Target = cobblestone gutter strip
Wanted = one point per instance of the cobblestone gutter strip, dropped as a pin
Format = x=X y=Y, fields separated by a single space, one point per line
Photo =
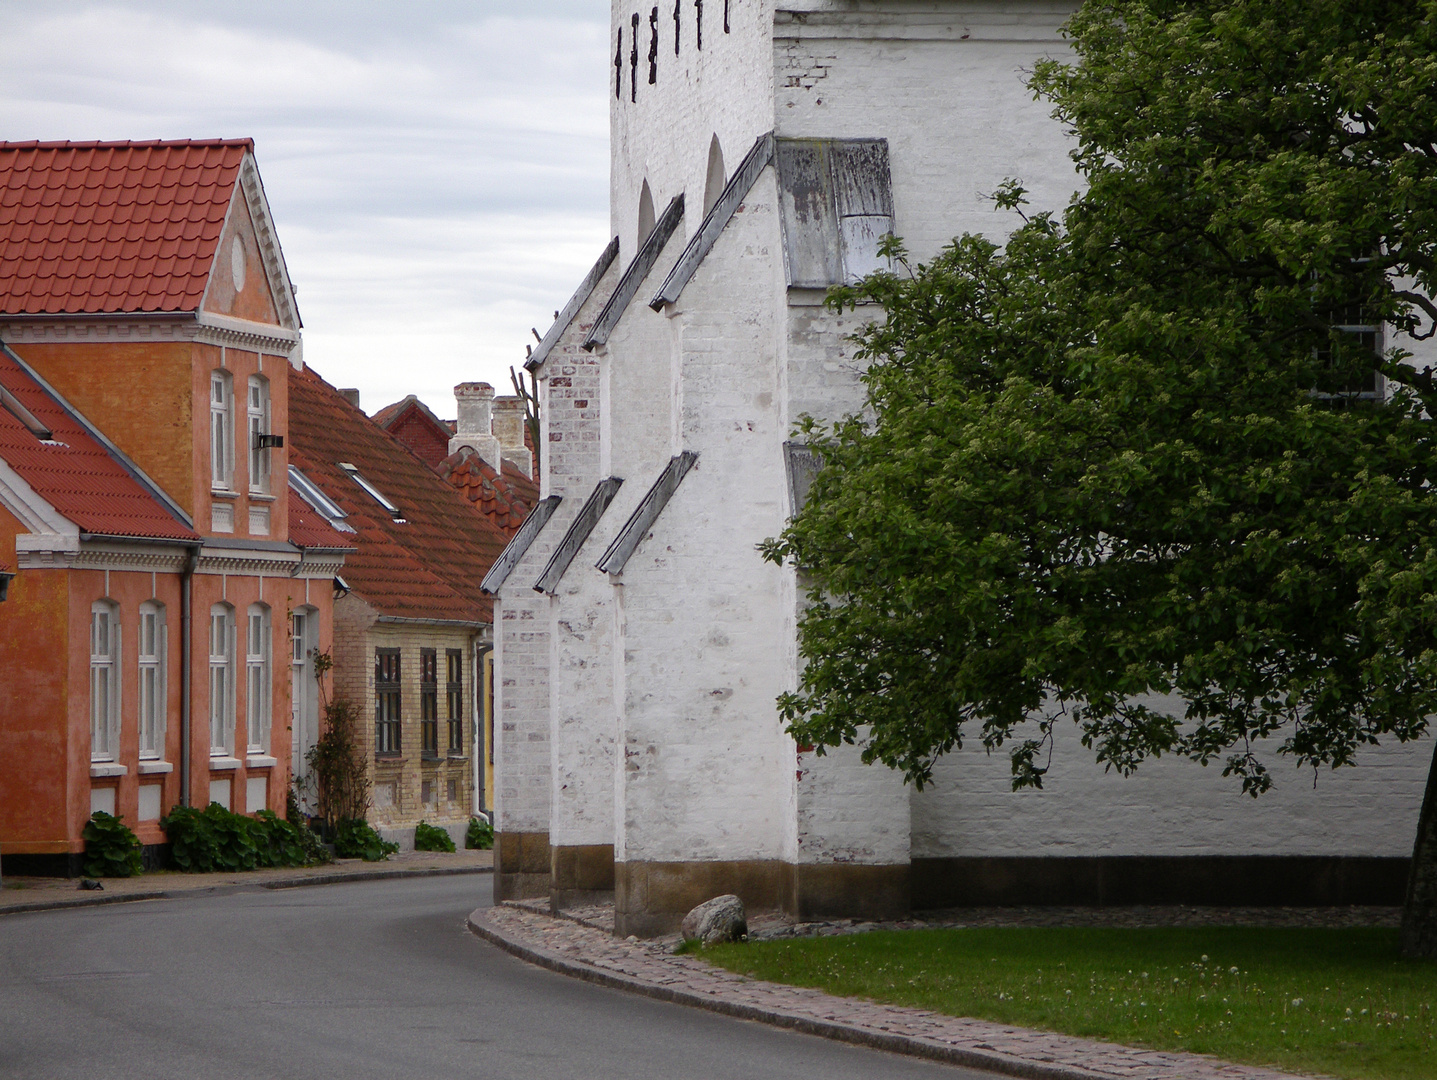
x=230 y=886
x=586 y=953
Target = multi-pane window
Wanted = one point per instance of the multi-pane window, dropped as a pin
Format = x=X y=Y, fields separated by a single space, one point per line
x=222 y=440
x=454 y=698
x=104 y=681
x=222 y=686
x=429 y=702
x=257 y=415
x=257 y=678
x=152 y=680
x=387 y=725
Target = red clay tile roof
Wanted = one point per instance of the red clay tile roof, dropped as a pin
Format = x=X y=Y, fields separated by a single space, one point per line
x=412 y=423
x=308 y=528
x=428 y=567
x=73 y=472
x=505 y=499
x=111 y=227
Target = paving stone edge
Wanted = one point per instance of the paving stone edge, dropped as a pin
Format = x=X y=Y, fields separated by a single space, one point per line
x=480 y=925
x=229 y=887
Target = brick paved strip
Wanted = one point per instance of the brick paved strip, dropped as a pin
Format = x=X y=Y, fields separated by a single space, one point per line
x=231 y=886
x=647 y=968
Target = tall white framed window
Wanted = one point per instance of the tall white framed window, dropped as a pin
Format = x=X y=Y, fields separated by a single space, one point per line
x=222 y=441
x=304 y=691
x=222 y=684
x=153 y=652
x=257 y=424
x=258 y=680
x=104 y=680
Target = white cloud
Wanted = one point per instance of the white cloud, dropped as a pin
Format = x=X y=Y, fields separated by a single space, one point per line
x=437 y=171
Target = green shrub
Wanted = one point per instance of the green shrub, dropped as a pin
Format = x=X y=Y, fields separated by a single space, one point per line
x=217 y=839
x=429 y=838
x=480 y=834
x=111 y=849
x=355 y=839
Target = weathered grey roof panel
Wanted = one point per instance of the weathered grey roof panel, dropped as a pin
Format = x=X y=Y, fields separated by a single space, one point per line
x=714 y=223
x=637 y=271
x=836 y=206
x=646 y=513
x=588 y=516
x=802 y=463
x=566 y=316
x=514 y=550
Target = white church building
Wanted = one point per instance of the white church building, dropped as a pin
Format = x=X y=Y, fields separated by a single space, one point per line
x=760 y=149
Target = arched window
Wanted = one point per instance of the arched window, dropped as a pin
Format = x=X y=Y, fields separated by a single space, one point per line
x=257 y=415
x=713 y=185
x=222 y=680
x=104 y=680
x=153 y=653
x=646 y=214
x=222 y=440
x=258 y=681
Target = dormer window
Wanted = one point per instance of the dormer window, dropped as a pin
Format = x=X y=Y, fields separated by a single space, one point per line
x=373 y=492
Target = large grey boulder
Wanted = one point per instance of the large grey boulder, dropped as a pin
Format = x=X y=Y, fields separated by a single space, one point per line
x=714 y=921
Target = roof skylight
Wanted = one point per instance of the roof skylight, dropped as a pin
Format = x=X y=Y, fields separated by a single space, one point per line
x=373 y=491
x=311 y=493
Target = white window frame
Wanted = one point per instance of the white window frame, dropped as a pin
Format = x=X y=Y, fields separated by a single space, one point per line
x=222 y=680
x=304 y=697
x=104 y=680
x=153 y=671
x=257 y=424
x=222 y=439
x=259 y=681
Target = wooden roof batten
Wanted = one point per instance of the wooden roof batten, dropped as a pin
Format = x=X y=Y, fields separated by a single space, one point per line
x=571 y=309
x=635 y=274
x=646 y=513
x=519 y=545
x=583 y=524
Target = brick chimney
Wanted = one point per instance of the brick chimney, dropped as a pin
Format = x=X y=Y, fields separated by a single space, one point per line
x=509 y=430
x=475 y=427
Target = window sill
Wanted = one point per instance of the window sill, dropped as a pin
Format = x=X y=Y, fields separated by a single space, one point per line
x=223 y=764
x=148 y=767
x=260 y=761
x=107 y=768
x=223 y=493
x=262 y=496
x=457 y=757
x=390 y=759
x=430 y=758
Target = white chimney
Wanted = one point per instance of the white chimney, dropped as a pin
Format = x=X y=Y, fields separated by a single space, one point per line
x=475 y=427
x=509 y=430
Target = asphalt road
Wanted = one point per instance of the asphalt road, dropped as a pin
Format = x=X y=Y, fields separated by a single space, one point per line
x=374 y=979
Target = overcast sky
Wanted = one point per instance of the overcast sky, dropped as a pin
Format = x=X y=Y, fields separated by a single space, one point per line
x=437 y=170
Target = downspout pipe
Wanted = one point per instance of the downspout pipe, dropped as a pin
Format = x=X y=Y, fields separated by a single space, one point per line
x=192 y=561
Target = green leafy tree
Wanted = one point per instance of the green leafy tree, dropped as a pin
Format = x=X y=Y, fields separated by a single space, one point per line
x=1135 y=451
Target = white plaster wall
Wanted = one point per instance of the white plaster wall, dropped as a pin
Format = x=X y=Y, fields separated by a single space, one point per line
x=725 y=90
x=1171 y=806
x=581 y=727
x=707 y=771
x=521 y=702
x=944 y=84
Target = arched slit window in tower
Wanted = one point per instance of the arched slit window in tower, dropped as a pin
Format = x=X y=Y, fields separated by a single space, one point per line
x=646 y=214
x=713 y=185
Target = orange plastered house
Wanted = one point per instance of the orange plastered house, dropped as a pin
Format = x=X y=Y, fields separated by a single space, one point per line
x=167 y=602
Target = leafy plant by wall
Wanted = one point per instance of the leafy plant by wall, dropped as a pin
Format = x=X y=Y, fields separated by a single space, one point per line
x=111 y=849
x=429 y=838
x=337 y=762
x=480 y=834
x=215 y=839
x=354 y=839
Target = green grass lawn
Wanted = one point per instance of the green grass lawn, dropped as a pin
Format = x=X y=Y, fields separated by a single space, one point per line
x=1338 y=1002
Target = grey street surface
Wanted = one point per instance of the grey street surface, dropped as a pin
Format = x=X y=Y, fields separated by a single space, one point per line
x=375 y=979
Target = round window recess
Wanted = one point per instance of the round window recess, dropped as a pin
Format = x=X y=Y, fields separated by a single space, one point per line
x=237 y=263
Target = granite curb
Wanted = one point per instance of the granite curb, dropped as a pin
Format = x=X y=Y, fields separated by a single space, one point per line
x=482 y=924
x=233 y=887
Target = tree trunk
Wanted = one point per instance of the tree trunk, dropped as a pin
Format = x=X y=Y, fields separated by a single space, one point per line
x=1419 y=915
